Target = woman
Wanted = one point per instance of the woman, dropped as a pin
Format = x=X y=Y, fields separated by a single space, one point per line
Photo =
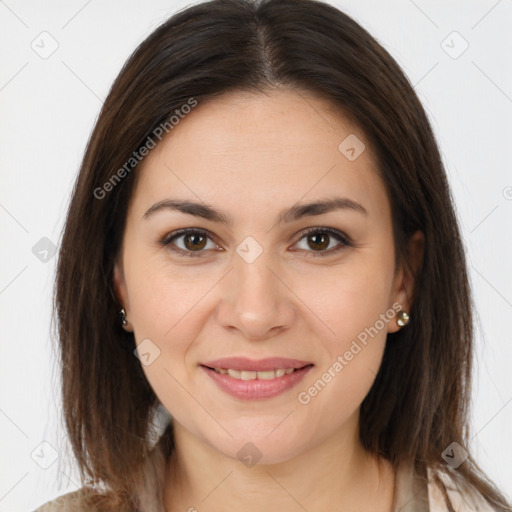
x=262 y=244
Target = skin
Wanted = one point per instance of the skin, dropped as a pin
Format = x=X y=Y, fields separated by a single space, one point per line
x=251 y=156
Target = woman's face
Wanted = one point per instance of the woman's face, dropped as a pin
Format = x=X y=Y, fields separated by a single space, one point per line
x=258 y=286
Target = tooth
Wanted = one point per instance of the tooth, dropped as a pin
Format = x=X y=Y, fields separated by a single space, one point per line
x=267 y=375
x=252 y=375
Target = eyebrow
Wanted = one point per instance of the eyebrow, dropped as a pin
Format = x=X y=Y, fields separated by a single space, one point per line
x=289 y=215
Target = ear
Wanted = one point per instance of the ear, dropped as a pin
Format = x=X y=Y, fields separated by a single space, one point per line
x=119 y=284
x=405 y=277
x=121 y=292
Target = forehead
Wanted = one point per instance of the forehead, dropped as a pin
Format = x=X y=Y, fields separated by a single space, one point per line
x=252 y=150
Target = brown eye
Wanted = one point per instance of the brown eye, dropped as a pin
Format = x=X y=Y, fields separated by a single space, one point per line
x=189 y=242
x=320 y=241
x=194 y=241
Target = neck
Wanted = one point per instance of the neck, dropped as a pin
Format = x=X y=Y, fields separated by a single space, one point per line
x=336 y=474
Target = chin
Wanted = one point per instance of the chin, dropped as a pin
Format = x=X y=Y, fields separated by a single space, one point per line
x=251 y=447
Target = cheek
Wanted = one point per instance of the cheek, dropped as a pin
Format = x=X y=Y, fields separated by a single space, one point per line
x=162 y=295
x=353 y=299
x=355 y=306
x=167 y=310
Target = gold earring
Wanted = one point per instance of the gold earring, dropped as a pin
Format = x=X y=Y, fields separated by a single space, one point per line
x=402 y=318
x=122 y=316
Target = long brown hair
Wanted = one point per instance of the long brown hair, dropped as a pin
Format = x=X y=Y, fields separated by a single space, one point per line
x=418 y=404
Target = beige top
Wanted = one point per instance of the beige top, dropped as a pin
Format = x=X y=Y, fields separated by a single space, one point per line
x=412 y=494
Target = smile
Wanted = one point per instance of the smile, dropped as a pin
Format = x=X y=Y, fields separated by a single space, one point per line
x=251 y=375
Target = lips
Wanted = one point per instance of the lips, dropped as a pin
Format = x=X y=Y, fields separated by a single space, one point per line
x=251 y=379
x=256 y=388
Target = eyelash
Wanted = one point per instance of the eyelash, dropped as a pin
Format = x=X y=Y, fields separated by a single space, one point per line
x=344 y=240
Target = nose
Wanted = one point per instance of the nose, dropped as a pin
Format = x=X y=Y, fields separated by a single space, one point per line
x=256 y=302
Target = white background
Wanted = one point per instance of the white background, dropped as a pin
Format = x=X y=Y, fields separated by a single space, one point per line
x=48 y=108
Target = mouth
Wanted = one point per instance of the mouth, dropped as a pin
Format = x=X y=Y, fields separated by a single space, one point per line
x=249 y=384
x=256 y=375
x=255 y=365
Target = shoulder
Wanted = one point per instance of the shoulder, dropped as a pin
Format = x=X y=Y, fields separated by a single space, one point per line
x=447 y=484
x=67 y=502
x=439 y=489
x=85 y=499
